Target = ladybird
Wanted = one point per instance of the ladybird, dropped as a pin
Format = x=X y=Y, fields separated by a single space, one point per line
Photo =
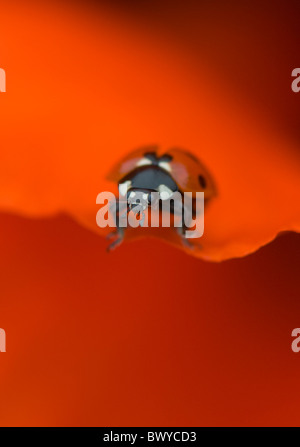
x=147 y=171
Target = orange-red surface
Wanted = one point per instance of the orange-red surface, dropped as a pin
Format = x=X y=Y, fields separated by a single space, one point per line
x=148 y=335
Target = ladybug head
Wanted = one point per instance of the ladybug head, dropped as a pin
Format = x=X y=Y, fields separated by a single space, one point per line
x=140 y=199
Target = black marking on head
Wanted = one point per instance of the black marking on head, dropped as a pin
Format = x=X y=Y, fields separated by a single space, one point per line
x=166 y=158
x=155 y=160
x=152 y=157
x=202 y=181
x=150 y=177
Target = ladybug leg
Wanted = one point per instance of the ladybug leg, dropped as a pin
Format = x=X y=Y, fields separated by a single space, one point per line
x=187 y=216
x=118 y=236
x=178 y=209
x=185 y=242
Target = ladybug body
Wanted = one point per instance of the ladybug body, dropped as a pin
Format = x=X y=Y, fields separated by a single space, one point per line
x=145 y=172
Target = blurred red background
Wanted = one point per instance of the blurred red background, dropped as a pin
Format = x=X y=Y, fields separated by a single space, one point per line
x=146 y=335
